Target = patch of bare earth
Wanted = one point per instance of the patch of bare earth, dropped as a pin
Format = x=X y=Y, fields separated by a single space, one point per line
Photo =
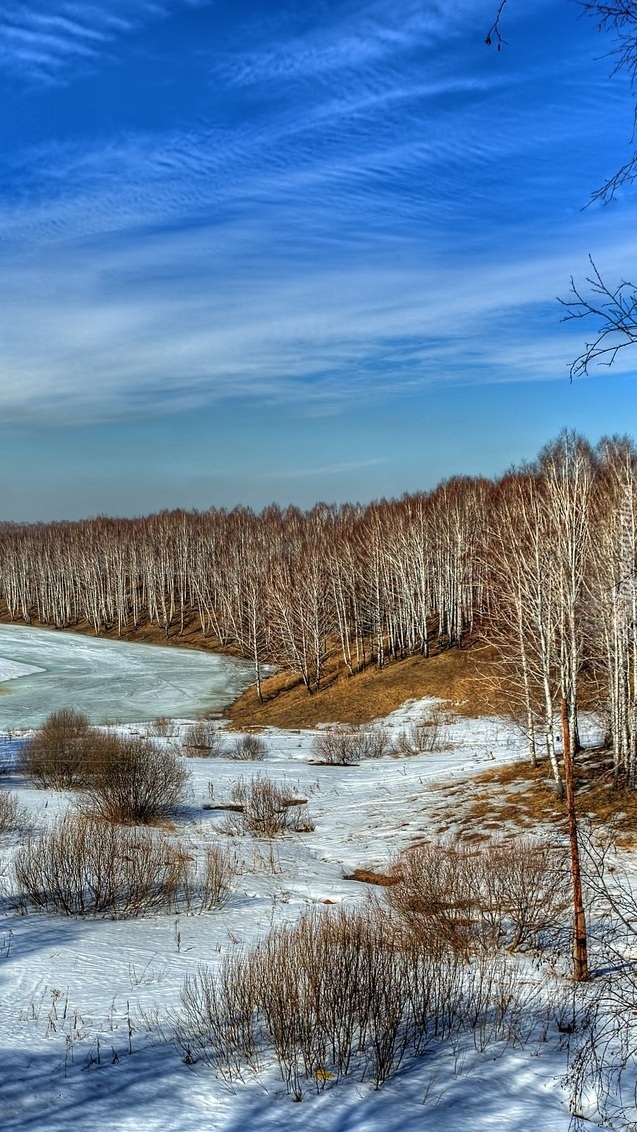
x=370 y=876
x=522 y=797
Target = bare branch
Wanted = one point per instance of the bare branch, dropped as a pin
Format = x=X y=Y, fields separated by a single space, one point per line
x=494 y=34
x=619 y=19
x=624 y=176
x=616 y=312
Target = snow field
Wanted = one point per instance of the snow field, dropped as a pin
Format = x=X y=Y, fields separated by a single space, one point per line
x=88 y=1006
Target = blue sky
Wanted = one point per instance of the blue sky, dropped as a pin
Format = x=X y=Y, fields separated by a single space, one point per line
x=285 y=251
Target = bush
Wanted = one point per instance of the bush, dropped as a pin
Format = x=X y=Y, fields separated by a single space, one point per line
x=267 y=810
x=326 y=993
x=57 y=755
x=343 y=991
x=214 y=880
x=87 y=867
x=12 y=815
x=423 y=736
x=344 y=744
x=248 y=748
x=161 y=728
x=503 y=893
x=134 y=780
x=203 y=739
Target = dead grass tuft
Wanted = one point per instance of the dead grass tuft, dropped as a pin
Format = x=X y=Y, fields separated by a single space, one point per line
x=370 y=876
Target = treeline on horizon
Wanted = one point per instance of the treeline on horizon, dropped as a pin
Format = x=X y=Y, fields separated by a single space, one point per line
x=540 y=562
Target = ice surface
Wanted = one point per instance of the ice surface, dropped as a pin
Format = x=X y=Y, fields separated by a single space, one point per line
x=42 y=670
x=11 y=670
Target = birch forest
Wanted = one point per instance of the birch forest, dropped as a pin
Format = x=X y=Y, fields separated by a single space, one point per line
x=540 y=564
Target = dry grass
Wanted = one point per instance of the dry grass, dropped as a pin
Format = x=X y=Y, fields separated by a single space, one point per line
x=522 y=796
x=458 y=676
x=370 y=876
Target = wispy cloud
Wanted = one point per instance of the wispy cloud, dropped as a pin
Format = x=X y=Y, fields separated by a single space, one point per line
x=127 y=339
x=353 y=42
x=389 y=223
x=343 y=467
x=45 y=41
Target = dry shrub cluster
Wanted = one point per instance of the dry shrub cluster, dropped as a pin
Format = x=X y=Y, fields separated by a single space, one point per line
x=12 y=815
x=504 y=893
x=122 y=778
x=87 y=867
x=57 y=755
x=203 y=739
x=344 y=992
x=263 y=808
x=248 y=748
x=212 y=884
x=133 y=780
x=423 y=736
x=162 y=728
x=345 y=744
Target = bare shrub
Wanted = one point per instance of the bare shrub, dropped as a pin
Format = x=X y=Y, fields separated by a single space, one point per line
x=432 y=895
x=161 y=728
x=248 y=748
x=505 y=893
x=266 y=809
x=219 y=1019
x=422 y=736
x=57 y=755
x=90 y=868
x=344 y=744
x=13 y=817
x=214 y=882
x=339 y=992
x=323 y=993
x=134 y=780
x=526 y=888
x=203 y=739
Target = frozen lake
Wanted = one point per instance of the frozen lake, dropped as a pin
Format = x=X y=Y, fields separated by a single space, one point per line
x=110 y=681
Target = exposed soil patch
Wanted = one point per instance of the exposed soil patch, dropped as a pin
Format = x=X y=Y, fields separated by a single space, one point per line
x=522 y=796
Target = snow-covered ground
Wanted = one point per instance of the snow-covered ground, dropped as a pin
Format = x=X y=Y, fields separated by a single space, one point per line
x=87 y=1005
x=41 y=670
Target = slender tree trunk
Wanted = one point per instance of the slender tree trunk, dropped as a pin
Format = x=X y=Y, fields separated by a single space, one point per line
x=580 y=949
